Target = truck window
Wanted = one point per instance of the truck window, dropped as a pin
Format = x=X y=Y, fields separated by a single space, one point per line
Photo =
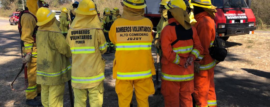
x=230 y=3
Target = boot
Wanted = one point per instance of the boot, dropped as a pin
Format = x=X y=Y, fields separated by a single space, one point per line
x=33 y=102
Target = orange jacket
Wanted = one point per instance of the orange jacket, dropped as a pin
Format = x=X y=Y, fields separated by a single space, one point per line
x=174 y=57
x=133 y=56
x=205 y=27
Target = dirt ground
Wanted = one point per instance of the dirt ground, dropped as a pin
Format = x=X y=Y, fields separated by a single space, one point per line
x=243 y=80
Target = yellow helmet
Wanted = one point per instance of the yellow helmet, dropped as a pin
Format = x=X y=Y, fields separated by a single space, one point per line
x=202 y=3
x=177 y=4
x=115 y=8
x=164 y=2
x=135 y=4
x=64 y=10
x=107 y=11
x=44 y=15
x=86 y=7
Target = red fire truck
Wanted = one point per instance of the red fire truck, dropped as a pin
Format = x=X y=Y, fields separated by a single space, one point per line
x=233 y=17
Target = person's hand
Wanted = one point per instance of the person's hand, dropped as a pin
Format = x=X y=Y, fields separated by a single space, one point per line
x=27 y=58
x=196 y=67
x=157 y=44
x=189 y=61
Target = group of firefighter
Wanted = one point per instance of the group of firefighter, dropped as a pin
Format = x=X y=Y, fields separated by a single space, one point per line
x=184 y=35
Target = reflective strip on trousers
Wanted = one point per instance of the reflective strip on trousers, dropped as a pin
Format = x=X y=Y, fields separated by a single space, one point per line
x=208 y=66
x=134 y=75
x=212 y=43
x=34 y=54
x=177 y=78
x=82 y=50
x=92 y=79
x=133 y=46
x=53 y=74
x=103 y=46
x=195 y=52
x=28 y=46
x=177 y=59
x=183 y=50
x=31 y=89
x=212 y=102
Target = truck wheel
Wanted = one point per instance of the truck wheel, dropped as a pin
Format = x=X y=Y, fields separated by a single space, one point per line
x=225 y=38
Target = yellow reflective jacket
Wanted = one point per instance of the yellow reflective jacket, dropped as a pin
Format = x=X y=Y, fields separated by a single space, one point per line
x=53 y=66
x=161 y=24
x=107 y=22
x=64 y=23
x=133 y=57
x=28 y=24
x=87 y=44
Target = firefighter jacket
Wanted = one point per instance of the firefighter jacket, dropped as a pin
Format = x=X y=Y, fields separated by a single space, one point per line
x=133 y=56
x=28 y=30
x=87 y=44
x=53 y=66
x=175 y=53
x=206 y=31
x=64 y=23
x=107 y=23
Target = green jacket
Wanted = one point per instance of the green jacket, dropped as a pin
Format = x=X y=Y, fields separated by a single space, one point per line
x=64 y=23
x=53 y=66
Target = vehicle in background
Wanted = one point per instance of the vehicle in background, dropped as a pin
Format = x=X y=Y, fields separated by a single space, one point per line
x=57 y=14
x=14 y=18
x=233 y=17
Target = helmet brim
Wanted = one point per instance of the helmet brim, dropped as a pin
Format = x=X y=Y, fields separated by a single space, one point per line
x=85 y=13
x=202 y=6
x=47 y=20
x=134 y=7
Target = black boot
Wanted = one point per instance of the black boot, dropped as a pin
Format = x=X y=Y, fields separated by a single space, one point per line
x=33 y=102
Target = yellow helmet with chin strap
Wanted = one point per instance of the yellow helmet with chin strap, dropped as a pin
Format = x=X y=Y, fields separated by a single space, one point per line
x=202 y=3
x=44 y=15
x=64 y=10
x=86 y=7
x=164 y=2
x=135 y=4
x=177 y=4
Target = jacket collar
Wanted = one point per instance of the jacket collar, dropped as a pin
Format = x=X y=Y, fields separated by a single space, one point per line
x=200 y=15
x=173 y=20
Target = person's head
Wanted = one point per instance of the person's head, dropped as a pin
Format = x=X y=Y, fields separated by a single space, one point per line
x=107 y=12
x=44 y=16
x=163 y=5
x=200 y=5
x=116 y=10
x=86 y=7
x=134 y=4
x=33 y=6
x=75 y=5
x=64 y=10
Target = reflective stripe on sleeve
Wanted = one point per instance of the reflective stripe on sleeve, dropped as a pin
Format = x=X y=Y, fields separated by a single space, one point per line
x=82 y=50
x=208 y=66
x=103 y=46
x=177 y=59
x=212 y=102
x=92 y=79
x=200 y=57
x=195 y=52
x=134 y=75
x=34 y=54
x=28 y=46
x=41 y=73
x=177 y=78
x=212 y=43
x=31 y=89
x=133 y=46
x=183 y=50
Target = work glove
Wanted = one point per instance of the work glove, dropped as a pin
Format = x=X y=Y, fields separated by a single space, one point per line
x=157 y=43
x=196 y=67
x=27 y=58
x=189 y=61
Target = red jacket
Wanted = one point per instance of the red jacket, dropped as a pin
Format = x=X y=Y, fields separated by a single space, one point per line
x=205 y=27
x=174 y=56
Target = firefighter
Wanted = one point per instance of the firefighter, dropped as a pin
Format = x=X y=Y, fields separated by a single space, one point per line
x=180 y=48
x=116 y=13
x=87 y=44
x=163 y=9
x=205 y=94
x=27 y=28
x=64 y=23
x=53 y=67
x=107 y=23
x=72 y=12
x=133 y=65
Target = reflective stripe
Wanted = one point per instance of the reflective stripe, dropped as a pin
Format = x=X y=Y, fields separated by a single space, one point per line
x=133 y=46
x=200 y=57
x=183 y=50
x=53 y=74
x=208 y=66
x=34 y=54
x=92 y=79
x=177 y=59
x=134 y=75
x=103 y=46
x=28 y=46
x=82 y=50
x=212 y=43
x=31 y=89
x=177 y=77
x=195 y=52
x=212 y=102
